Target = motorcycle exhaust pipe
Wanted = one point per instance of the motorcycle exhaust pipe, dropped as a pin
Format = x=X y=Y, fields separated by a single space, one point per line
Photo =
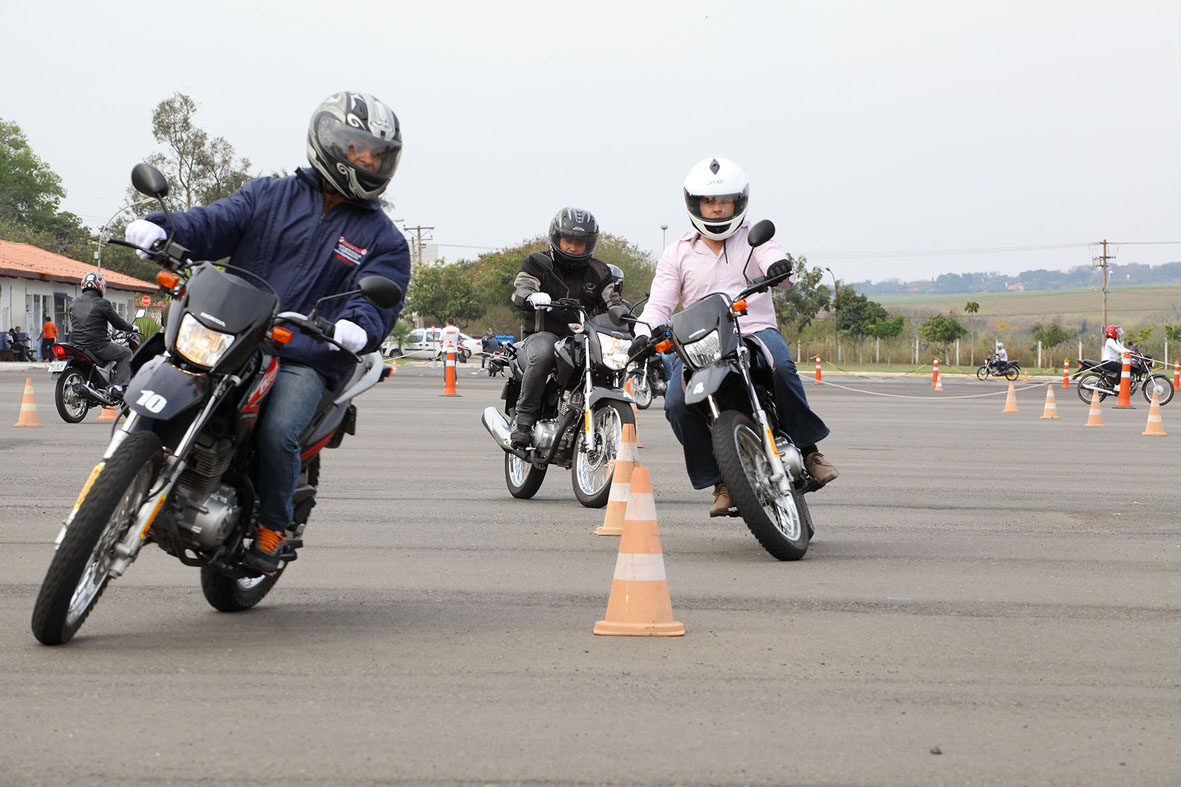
x=98 y=396
x=494 y=421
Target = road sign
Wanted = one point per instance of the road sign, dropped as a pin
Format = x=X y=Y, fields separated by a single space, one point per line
x=146 y=300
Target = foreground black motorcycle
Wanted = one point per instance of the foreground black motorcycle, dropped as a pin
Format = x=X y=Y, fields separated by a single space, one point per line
x=83 y=381
x=730 y=377
x=583 y=410
x=1093 y=378
x=182 y=469
x=995 y=367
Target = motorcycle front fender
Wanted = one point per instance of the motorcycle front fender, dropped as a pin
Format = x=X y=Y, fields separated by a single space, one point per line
x=599 y=393
x=162 y=391
x=705 y=381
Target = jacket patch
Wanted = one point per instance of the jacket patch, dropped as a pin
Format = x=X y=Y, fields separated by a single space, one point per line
x=349 y=252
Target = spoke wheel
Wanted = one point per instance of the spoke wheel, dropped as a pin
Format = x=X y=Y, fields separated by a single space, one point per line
x=1161 y=385
x=641 y=391
x=522 y=478
x=592 y=470
x=226 y=594
x=1089 y=383
x=982 y=373
x=71 y=405
x=781 y=523
x=1012 y=373
x=81 y=565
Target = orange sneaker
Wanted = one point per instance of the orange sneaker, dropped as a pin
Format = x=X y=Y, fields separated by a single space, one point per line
x=264 y=553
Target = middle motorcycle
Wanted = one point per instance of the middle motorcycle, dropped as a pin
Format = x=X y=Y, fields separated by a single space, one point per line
x=583 y=409
x=648 y=380
x=83 y=381
x=730 y=377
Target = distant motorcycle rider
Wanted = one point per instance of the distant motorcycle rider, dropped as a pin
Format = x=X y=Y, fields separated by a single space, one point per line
x=567 y=270
x=90 y=314
x=1113 y=350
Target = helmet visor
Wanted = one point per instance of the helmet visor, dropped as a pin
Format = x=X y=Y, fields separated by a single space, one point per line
x=575 y=245
x=369 y=154
x=716 y=207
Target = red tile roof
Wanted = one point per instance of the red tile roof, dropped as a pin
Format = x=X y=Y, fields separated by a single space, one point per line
x=29 y=262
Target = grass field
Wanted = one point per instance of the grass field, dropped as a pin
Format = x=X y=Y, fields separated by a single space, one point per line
x=1131 y=307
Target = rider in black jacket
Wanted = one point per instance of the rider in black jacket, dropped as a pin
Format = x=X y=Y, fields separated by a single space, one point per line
x=567 y=270
x=89 y=315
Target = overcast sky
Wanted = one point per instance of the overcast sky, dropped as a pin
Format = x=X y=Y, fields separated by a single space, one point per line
x=865 y=127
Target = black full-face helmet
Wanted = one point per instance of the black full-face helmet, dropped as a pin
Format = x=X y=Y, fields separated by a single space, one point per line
x=355 y=143
x=577 y=225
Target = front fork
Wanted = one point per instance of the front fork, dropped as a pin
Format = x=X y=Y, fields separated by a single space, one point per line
x=779 y=475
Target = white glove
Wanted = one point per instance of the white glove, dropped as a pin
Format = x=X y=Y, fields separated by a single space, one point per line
x=144 y=233
x=540 y=301
x=350 y=335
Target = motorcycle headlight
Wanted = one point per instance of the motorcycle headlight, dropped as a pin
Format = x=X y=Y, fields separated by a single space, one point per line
x=203 y=346
x=704 y=351
x=614 y=351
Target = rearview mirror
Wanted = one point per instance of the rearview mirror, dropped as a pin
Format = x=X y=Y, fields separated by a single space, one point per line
x=150 y=181
x=139 y=314
x=617 y=313
x=381 y=291
x=761 y=233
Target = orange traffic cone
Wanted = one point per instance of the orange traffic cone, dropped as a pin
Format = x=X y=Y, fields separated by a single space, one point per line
x=109 y=414
x=1094 y=417
x=1051 y=409
x=818 y=380
x=449 y=376
x=621 y=476
x=1125 y=385
x=28 y=416
x=640 y=605
x=1155 y=427
x=938 y=378
x=935 y=374
x=1011 y=400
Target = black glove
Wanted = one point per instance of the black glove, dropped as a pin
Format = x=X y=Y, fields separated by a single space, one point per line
x=639 y=347
x=779 y=270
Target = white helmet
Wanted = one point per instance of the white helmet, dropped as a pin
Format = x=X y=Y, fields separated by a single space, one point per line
x=716 y=177
x=1000 y=346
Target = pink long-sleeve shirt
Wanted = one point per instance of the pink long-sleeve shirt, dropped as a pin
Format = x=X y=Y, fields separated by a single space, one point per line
x=689 y=270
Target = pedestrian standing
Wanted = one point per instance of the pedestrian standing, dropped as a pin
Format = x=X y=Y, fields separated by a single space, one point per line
x=48 y=338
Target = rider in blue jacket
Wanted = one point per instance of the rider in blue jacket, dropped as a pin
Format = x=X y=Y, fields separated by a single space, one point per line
x=312 y=234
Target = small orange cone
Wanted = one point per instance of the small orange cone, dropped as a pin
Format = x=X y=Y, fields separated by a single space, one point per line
x=1051 y=410
x=938 y=378
x=1011 y=400
x=1155 y=427
x=394 y=367
x=1094 y=417
x=621 y=476
x=640 y=605
x=28 y=415
x=109 y=414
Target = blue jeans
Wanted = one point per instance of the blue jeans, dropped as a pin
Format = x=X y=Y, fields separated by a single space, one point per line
x=691 y=426
x=288 y=410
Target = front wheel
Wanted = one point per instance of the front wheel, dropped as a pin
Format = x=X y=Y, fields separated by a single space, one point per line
x=1090 y=384
x=522 y=478
x=71 y=405
x=781 y=523
x=641 y=391
x=81 y=565
x=1159 y=384
x=982 y=373
x=592 y=470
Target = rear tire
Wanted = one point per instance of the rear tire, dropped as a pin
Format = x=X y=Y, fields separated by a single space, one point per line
x=1086 y=385
x=226 y=594
x=1163 y=387
x=70 y=406
x=591 y=473
x=1012 y=373
x=781 y=525
x=522 y=478
x=79 y=571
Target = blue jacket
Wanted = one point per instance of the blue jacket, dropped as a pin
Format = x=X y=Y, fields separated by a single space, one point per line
x=276 y=228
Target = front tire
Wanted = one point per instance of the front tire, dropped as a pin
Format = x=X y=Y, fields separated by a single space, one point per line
x=591 y=472
x=982 y=373
x=71 y=406
x=782 y=525
x=641 y=391
x=522 y=478
x=1163 y=387
x=80 y=569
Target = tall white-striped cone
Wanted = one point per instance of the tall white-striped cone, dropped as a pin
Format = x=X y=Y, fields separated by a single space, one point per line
x=640 y=605
x=1051 y=409
x=1011 y=400
x=938 y=379
x=28 y=413
x=621 y=476
x=1155 y=426
x=935 y=374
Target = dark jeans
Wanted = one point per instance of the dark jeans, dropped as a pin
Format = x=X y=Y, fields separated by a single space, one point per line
x=47 y=349
x=288 y=411
x=121 y=356
x=691 y=427
x=537 y=361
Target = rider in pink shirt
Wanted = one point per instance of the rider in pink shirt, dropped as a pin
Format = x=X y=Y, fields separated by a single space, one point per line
x=713 y=258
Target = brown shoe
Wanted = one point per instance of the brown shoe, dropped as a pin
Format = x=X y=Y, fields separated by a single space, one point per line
x=820 y=468
x=722 y=502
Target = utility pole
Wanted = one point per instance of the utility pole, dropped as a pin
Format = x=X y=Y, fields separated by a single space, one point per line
x=1101 y=262
x=418 y=244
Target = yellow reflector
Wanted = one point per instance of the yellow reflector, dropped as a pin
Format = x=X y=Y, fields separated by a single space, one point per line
x=587 y=420
x=771 y=439
x=89 y=483
x=144 y=533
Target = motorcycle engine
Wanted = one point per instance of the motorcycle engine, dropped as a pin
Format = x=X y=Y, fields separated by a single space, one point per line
x=793 y=460
x=206 y=508
x=544 y=433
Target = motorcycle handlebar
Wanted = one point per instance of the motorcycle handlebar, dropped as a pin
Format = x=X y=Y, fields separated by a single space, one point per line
x=317 y=328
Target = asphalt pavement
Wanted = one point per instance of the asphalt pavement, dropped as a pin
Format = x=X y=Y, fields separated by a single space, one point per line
x=990 y=599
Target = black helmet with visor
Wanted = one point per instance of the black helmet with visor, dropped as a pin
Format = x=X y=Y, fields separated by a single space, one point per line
x=573 y=224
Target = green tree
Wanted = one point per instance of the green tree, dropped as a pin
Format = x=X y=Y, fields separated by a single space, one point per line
x=1050 y=335
x=797 y=307
x=857 y=314
x=1173 y=332
x=888 y=329
x=971 y=307
x=29 y=190
x=441 y=291
x=942 y=329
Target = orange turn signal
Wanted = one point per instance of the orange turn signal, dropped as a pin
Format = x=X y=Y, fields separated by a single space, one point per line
x=281 y=335
x=664 y=346
x=167 y=280
x=738 y=307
